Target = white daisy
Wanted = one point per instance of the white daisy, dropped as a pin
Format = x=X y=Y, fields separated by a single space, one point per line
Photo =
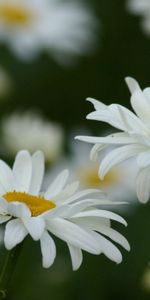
x=141 y=8
x=30 y=131
x=66 y=29
x=133 y=141
x=61 y=210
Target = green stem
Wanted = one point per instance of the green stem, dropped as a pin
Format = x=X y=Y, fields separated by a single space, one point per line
x=8 y=270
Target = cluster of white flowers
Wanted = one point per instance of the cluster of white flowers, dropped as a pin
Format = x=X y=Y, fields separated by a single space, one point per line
x=133 y=141
x=141 y=8
x=66 y=29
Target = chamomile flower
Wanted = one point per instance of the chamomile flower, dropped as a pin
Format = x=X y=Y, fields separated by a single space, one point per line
x=141 y=8
x=133 y=141
x=61 y=210
x=30 y=131
x=66 y=29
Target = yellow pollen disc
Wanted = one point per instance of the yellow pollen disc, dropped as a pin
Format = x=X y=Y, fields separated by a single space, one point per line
x=14 y=15
x=36 y=204
x=89 y=177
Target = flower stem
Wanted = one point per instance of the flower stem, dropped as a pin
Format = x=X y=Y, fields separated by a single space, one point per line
x=8 y=270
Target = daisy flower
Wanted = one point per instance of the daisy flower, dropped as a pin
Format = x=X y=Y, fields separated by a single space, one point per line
x=30 y=131
x=133 y=141
x=141 y=8
x=61 y=210
x=66 y=29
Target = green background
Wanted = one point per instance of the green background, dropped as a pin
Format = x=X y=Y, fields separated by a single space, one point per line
x=59 y=94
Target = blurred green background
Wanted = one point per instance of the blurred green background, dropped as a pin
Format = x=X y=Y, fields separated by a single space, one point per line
x=59 y=94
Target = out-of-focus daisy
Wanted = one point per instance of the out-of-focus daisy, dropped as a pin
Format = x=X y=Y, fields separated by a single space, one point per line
x=61 y=210
x=133 y=141
x=117 y=183
x=5 y=83
x=141 y=8
x=30 y=131
x=64 y=28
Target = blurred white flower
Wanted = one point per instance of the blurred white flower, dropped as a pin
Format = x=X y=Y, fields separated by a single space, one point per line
x=30 y=131
x=133 y=141
x=66 y=29
x=5 y=83
x=117 y=183
x=141 y=8
x=61 y=210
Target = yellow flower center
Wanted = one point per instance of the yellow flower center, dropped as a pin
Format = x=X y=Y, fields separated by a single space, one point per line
x=14 y=15
x=89 y=177
x=36 y=204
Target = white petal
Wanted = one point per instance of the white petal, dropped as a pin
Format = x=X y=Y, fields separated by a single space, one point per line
x=22 y=170
x=107 y=247
x=117 y=156
x=35 y=226
x=94 y=151
x=115 y=236
x=141 y=106
x=116 y=138
x=81 y=194
x=4 y=219
x=107 y=117
x=58 y=211
x=143 y=185
x=57 y=185
x=7 y=182
x=139 y=100
x=132 y=84
x=101 y=213
x=3 y=205
x=95 y=224
x=128 y=120
x=74 y=235
x=37 y=172
x=98 y=105
x=76 y=257
x=110 y=250
x=19 y=210
x=68 y=191
x=143 y=159
x=48 y=249
x=85 y=204
x=120 y=117
x=15 y=233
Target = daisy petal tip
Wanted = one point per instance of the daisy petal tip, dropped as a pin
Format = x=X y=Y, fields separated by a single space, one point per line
x=142 y=200
x=128 y=79
x=101 y=175
x=89 y=99
x=132 y=84
x=119 y=261
x=75 y=268
x=128 y=248
x=46 y=265
x=77 y=137
x=90 y=116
